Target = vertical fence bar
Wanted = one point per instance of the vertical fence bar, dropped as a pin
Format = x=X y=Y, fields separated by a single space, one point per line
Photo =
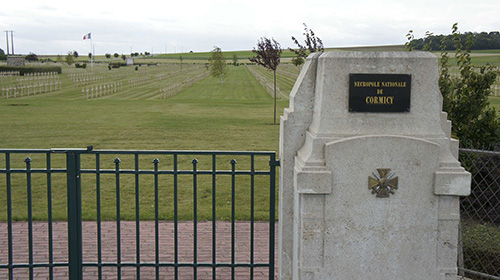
x=137 y=218
x=118 y=222
x=214 y=212
x=252 y=214
x=233 y=215
x=30 y=216
x=98 y=209
x=157 y=230
x=74 y=216
x=272 y=215
x=195 y=220
x=49 y=216
x=176 y=224
x=9 y=213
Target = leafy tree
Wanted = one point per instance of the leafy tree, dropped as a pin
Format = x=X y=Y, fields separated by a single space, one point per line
x=428 y=38
x=116 y=55
x=2 y=55
x=70 y=59
x=31 y=57
x=75 y=54
x=409 y=43
x=465 y=97
x=218 y=66
x=268 y=55
x=108 y=55
x=297 y=61
x=312 y=44
x=235 y=60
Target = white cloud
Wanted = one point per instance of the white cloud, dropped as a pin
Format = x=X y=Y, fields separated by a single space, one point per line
x=55 y=27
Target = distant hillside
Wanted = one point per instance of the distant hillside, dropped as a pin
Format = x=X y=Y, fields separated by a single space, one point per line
x=482 y=41
x=245 y=54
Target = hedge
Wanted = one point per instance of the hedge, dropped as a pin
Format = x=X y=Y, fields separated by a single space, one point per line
x=31 y=69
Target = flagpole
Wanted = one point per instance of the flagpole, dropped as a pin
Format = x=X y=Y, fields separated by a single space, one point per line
x=91 y=51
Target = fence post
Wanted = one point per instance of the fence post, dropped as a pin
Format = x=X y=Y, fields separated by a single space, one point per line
x=74 y=215
x=273 y=163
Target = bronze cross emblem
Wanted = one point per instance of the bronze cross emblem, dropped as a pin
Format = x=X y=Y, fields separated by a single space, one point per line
x=384 y=182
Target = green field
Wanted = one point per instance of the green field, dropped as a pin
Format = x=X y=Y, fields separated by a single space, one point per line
x=136 y=117
x=204 y=116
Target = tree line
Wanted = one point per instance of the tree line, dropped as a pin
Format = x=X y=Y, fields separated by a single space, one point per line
x=482 y=41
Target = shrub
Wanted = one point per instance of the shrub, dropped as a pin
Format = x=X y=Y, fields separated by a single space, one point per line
x=31 y=69
x=481 y=240
x=483 y=205
x=465 y=97
x=83 y=65
x=116 y=64
x=31 y=57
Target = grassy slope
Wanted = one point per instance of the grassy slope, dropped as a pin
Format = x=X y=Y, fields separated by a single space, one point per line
x=206 y=116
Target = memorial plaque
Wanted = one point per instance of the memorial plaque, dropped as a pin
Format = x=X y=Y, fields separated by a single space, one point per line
x=379 y=93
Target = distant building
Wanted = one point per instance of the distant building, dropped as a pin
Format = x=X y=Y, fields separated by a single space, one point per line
x=15 y=61
x=130 y=61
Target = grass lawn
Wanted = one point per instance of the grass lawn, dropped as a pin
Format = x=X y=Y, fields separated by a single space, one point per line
x=194 y=119
x=206 y=116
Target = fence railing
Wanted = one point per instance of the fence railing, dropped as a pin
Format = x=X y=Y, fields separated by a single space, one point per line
x=479 y=257
x=174 y=194
x=96 y=196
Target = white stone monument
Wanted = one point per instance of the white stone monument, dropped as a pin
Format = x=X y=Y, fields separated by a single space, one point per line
x=370 y=181
x=130 y=61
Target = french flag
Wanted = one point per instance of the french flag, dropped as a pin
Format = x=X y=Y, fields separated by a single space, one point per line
x=86 y=37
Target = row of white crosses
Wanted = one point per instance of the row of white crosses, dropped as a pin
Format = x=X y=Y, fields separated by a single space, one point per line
x=174 y=89
x=264 y=83
x=31 y=89
x=32 y=78
x=40 y=74
x=78 y=82
x=5 y=75
x=170 y=90
x=139 y=81
x=79 y=75
x=101 y=90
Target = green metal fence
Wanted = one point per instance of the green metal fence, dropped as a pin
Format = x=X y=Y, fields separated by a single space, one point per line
x=208 y=181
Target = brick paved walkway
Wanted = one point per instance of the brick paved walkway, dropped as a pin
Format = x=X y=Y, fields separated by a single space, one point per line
x=147 y=245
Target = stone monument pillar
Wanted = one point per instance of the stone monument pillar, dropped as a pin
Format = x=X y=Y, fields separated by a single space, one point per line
x=370 y=181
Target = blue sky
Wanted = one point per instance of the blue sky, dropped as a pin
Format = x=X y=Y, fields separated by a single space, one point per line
x=55 y=27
